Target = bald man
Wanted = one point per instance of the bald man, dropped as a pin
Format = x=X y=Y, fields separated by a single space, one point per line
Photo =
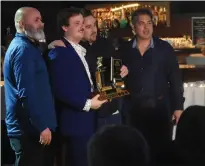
x=30 y=114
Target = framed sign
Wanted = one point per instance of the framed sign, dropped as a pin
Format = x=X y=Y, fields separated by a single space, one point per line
x=198 y=30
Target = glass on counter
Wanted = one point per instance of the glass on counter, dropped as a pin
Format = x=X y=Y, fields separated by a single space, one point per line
x=180 y=42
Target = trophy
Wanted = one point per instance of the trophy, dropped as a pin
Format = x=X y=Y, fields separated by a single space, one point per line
x=108 y=80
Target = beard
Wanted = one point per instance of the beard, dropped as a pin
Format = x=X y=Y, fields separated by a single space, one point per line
x=93 y=37
x=36 y=34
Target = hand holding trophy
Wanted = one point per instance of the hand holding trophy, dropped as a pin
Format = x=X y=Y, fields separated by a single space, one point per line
x=108 y=79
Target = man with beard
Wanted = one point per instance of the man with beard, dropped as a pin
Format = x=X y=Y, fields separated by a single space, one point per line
x=154 y=83
x=96 y=47
x=30 y=114
x=73 y=86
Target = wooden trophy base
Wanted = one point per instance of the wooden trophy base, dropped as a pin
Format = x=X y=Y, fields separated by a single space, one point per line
x=111 y=94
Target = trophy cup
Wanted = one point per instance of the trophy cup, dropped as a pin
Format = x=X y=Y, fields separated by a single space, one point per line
x=108 y=80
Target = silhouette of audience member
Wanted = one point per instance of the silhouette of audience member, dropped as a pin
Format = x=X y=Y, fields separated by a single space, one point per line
x=190 y=136
x=118 y=145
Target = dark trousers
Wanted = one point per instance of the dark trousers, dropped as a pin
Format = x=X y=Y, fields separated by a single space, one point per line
x=7 y=155
x=155 y=124
x=58 y=146
x=75 y=150
x=29 y=152
x=112 y=119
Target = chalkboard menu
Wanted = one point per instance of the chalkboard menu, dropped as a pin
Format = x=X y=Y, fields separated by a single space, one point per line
x=198 y=30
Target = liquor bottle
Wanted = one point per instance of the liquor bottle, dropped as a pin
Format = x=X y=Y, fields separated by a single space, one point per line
x=155 y=16
x=164 y=16
x=161 y=17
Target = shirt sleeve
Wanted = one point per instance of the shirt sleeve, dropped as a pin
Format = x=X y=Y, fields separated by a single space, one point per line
x=24 y=73
x=87 y=105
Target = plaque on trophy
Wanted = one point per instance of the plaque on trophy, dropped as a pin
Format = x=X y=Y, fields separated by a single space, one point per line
x=108 y=80
x=116 y=65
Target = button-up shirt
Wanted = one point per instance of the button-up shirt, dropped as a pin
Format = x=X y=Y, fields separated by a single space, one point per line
x=143 y=87
x=156 y=74
x=29 y=103
x=151 y=45
x=81 y=51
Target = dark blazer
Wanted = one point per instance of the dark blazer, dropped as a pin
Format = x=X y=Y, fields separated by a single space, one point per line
x=71 y=88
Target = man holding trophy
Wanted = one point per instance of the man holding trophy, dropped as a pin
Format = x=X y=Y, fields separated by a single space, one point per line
x=98 y=56
x=72 y=88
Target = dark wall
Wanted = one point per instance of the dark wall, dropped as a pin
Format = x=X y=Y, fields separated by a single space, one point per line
x=179 y=26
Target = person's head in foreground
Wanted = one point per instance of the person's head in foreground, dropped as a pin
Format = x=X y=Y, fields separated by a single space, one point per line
x=118 y=145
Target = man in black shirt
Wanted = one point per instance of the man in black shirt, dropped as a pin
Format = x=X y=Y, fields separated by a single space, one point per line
x=154 y=82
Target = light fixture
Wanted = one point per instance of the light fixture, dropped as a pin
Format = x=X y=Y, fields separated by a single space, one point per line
x=194 y=84
x=126 y=6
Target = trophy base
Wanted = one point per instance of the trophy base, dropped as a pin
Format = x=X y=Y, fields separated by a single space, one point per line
x=111 y=94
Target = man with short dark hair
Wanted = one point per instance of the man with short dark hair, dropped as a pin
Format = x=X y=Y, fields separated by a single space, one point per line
x=73 y=86
x=154 y=82
x=118 y=145
x=95 y=46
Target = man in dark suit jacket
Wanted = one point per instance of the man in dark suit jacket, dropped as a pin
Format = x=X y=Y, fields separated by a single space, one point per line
x=154 y=79
x=109 y=113
x=72 y=87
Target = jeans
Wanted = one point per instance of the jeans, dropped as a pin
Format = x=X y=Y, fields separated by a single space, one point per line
x=29 y=152
x=112 y=119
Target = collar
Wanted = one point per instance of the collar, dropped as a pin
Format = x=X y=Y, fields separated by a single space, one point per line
x=84 y=44
x=34 y=42
x=77 y=47
x=151 y=45
x=20 y=35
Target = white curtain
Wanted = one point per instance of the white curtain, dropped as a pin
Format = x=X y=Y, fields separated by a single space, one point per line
x=194 y=93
